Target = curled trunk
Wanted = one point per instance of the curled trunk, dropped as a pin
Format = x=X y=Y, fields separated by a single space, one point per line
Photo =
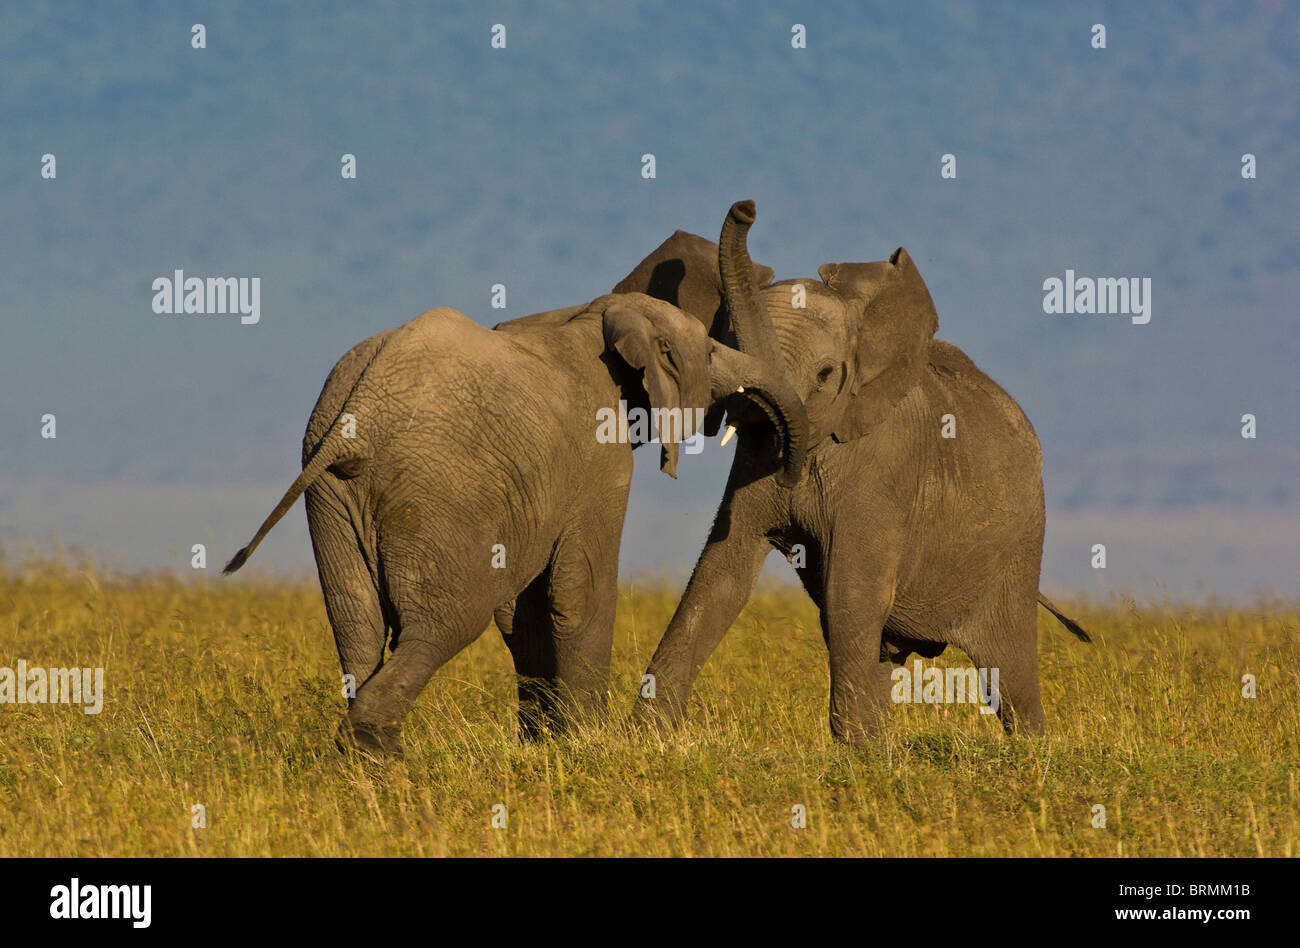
x=766 y=386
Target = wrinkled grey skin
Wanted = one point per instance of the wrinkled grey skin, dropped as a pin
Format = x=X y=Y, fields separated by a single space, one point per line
x=467 y=438
x=683 y=271
x=912 y=541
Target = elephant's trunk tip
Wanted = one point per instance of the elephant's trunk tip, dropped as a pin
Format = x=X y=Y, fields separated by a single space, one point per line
x=790 y=475
x=744 y=212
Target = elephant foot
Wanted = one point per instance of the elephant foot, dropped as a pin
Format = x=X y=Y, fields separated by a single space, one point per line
x=377 y=742
x=539 y=712
x=863 y=730
x=567 y=721
x=1015 y=725
x=535 y=727
x=856 y=738
x=661 y=717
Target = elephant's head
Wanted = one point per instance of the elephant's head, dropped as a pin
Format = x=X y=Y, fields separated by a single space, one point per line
x=684 y=373
x=851 y=345
x=683 y=270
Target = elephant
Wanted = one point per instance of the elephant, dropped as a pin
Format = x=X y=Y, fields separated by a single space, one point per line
x=906 y=539
x=683 y=271
x=450 y=469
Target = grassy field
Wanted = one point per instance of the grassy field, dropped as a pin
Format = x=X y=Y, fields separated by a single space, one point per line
x=226 y=694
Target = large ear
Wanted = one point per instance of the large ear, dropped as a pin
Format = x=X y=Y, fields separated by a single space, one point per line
x=683 y=270
x=673 y=375
x=895 y=322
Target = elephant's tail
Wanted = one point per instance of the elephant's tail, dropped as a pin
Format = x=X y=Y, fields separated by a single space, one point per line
x=328 y=452
x=1065 y=620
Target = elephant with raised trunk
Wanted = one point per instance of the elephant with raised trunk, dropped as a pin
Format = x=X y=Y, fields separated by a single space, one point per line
x=920 y=522
x=450 y=469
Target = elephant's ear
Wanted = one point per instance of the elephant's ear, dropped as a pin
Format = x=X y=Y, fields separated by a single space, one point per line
x=683 y=270
x=669 y=382
x=895 y=322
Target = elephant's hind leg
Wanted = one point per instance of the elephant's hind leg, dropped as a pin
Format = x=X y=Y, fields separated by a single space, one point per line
x=859 y=594
x=352 y=599
x=431 y=636
x=1002 y=634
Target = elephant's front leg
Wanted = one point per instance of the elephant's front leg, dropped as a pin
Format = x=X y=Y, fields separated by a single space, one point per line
x=719 y=588
x=856 y=604
x=582 y=645
x=561 y=635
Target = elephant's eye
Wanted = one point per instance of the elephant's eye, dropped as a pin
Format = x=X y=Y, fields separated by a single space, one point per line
x=824 y=374
x=666 y=350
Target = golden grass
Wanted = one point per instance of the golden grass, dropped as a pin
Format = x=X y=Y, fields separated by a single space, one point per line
x=226 y=693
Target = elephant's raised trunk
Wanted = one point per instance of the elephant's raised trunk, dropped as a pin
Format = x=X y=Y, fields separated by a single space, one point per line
x=766 y=386
x=756 y=337
x=754 y=332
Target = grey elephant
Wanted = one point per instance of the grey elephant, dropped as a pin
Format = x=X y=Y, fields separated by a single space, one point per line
x=450 y=469
x=906 y=539
x=683 y=271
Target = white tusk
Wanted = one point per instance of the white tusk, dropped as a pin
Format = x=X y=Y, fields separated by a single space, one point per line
x=727 y=435
x=741 y=389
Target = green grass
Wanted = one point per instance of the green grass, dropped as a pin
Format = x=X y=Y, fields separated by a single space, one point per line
x=226 y=693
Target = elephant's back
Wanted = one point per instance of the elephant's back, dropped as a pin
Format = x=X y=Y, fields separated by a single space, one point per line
x=438 y=339
x=958 y=380
x=477 y=430
x=478 y=383
x=981 y=461
x=444 y=344
x=442 y=387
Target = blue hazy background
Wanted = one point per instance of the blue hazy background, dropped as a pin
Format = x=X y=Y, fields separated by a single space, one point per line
x=522 y=166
